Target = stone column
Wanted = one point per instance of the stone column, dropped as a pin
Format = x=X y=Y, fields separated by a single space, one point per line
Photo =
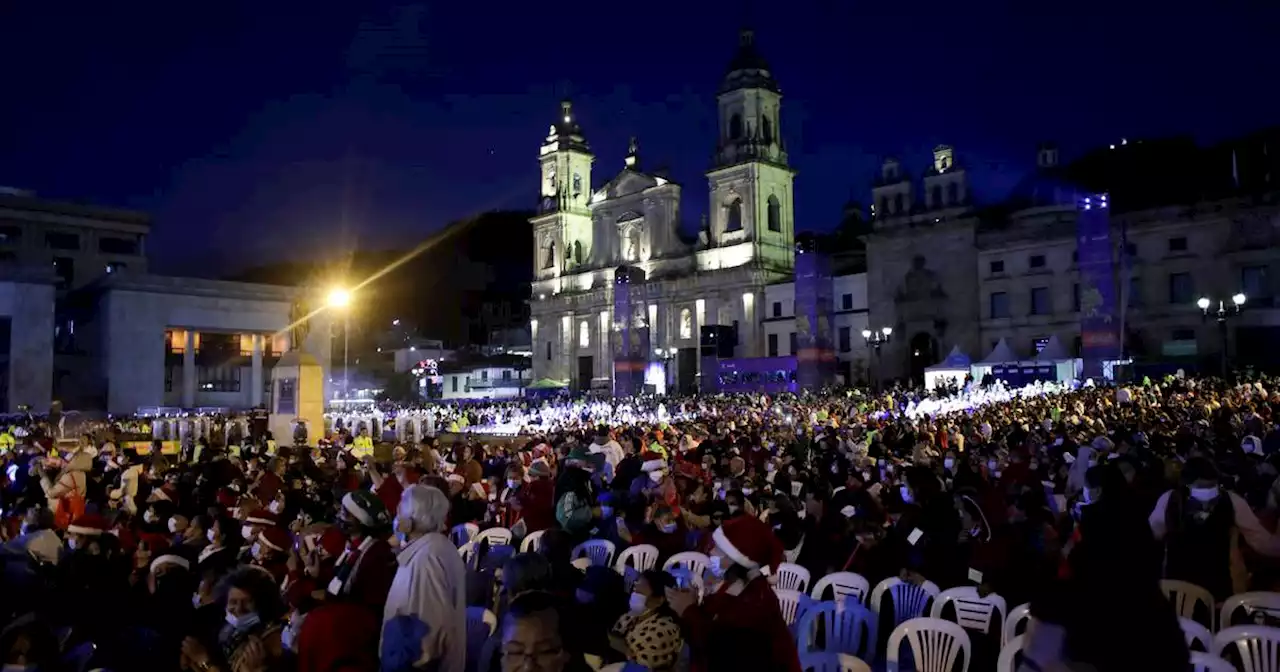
x=255 y=373
x=189 y=371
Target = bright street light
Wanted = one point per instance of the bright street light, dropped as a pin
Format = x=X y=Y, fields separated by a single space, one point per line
x=866 y=333
x=1238 y=299
x=339 y=298
x=1203 y=303
x=887 y=330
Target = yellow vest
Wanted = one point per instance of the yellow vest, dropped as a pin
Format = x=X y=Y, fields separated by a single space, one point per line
x=6 y=442
x=363 y=447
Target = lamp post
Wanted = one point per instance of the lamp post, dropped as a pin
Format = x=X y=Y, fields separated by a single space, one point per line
x=1222 y=314
x=875 y=340
x=340 y=299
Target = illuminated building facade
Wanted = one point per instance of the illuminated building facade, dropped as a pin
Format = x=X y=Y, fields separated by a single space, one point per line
x=583 y=235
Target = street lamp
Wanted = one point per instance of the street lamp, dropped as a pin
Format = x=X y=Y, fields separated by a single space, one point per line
x=1221 y=315
x=339 y=299
x=875 y=340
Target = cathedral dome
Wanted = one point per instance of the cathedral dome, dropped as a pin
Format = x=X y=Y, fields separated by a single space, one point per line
x=748 y=69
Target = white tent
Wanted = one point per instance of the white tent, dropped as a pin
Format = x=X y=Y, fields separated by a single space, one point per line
x=953 y=368
x=1065 y=366
x=1001 y=354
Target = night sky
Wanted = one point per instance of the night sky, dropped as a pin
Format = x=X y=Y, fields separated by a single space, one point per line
x=267 y=129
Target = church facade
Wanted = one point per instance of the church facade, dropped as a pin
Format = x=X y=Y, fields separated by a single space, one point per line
x=584 y=237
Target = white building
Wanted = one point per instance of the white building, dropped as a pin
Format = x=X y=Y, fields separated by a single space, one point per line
x=849 y=319
x=583 y=234
x=484 y=380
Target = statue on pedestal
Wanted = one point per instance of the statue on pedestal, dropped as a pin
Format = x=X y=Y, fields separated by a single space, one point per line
x=299 y=323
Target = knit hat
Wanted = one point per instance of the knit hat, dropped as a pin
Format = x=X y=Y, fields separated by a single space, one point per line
x=539 y=469
x=263 y=517
x=365 y=507
x=749 y=542
x=276 y=539
x=652 y=461
x=89 y=525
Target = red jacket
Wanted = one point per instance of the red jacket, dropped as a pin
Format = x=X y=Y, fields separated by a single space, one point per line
x=740 y=632
x=339 y=637
x=537 y=504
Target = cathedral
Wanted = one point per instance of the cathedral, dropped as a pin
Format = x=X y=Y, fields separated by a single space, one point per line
x=586 y=239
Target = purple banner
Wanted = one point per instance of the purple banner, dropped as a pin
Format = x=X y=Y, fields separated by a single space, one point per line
x=1099 y=317
x=815 y=354
x=630 y=334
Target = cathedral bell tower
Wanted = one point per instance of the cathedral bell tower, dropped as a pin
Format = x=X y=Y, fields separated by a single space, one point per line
x=562 y=227
x=750 y=181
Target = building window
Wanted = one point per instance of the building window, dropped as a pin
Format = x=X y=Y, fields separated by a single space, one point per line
x=766 y=129
x=176 y=341
x=1040 y=301
x=455 y=389
x=735 y=127
x=168 y=379
x=937 y=195
x=455 y=379
x=577 y=252
x=791 y=343
x=484 y=374
x=1075 y=298
x=549 y=256
x=1183 y=335
x=775 y=214
x=224 y=378
x=65 y=269
x=999 y=305
x=773 y=345
x=246 y=345
x=276 y=344
x=733 y=216
x=116 y=266
x=897 y=204
x=1178 y=244
x=584 y=334
x=1181 y=288
x=506 y=374
x=846 y=302
x=124 y=246
x=997 y=267
x=846 y=339
x=1135 y=291
x=1253 y=282
x=777 y=309
x=1036 y=261
x=686 y=323
x=57 y=240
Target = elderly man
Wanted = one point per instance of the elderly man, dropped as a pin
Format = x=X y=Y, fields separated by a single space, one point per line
x=424 y=624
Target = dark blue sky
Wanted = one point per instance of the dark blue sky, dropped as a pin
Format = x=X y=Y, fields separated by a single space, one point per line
x=258 y=129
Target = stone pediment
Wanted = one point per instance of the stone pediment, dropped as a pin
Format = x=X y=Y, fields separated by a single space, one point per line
x=628 y=182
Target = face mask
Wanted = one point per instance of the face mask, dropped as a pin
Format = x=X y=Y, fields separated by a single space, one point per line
x=656 y=476
x=1204 y=494
x=149 y=516
x=242 y=622
x=606 y=512
x=906 y=494
x=256 y=550
x=71 y=543
x=996 y=474
x=948 y=463
x=274 y=506
x=992 y=464
x=210 y=535
x=637 y=602
x=714 y=566
x=668 y=528
x=173 y=525
x=246 y=531
x=513 y=483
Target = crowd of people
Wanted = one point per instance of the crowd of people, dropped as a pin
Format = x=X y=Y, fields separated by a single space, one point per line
x=261 y=557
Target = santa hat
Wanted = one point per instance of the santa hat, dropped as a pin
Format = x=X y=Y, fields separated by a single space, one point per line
x=275 y=539
x=480 y=489
x=89 y=525
x=456 y=478
x=652 y=461
x=365 y=507
x=262 y=517
x=333 y=542
x=170 y=559
x=749 y=542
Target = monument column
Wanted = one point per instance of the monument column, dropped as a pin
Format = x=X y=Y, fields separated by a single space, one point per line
x=189 y=371
x=255 y=375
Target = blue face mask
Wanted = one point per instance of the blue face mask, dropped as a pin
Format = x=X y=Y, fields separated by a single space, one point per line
x=606 y=512
x=242 y=623
x=668 y=528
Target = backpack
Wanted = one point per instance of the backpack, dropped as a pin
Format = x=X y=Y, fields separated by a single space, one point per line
x=573 y=513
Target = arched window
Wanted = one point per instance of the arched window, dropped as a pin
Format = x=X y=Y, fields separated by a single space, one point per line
x=686 y=323
x=775 y=214
x=550 y=259
x=766 y=129
x=584 y=334
x=897 y=204
x=577 y=184
x=735 y=127
x=953 y=194
x=937 y=196
x=734 y=217
x=577 y=252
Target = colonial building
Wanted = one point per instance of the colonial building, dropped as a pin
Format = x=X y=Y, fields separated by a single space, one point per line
x=943 y=272
x=583 y=235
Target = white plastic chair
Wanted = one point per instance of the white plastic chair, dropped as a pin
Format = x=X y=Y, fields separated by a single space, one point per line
x=842 y=584
x=581 y=564
x=792 y=577
x=1008 y=659
x=1185 y=596
x=848 y=627
x=599 y=550
x=693 y=561
x=496 y=536
x=935 y=645
x=1257 y=645
x=467 y=551
x=1252 y=603
x=972 y=610
x=530 y=541
x=789 y=603
x=1018 y=616
x=832 y=662
x=909 y=600
x=614 y=667
x=463 y=533
x=641 y=557
x=1198 y=637
x=1203 y=662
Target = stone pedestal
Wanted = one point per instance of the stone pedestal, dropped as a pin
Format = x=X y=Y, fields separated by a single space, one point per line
x=297 y=395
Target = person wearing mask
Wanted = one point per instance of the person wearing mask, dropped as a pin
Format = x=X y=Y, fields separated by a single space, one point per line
x=612 y=450
x=365 y=570
x=665 y=531
x=224 y=545
x=574 y=496
x=1197 y=525
x=424 y=623
x=250 y=637
x=739 y=625
x=649 y=633
x=929 y=529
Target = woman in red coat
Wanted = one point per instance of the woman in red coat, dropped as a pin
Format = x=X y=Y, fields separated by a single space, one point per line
x=739 y=626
